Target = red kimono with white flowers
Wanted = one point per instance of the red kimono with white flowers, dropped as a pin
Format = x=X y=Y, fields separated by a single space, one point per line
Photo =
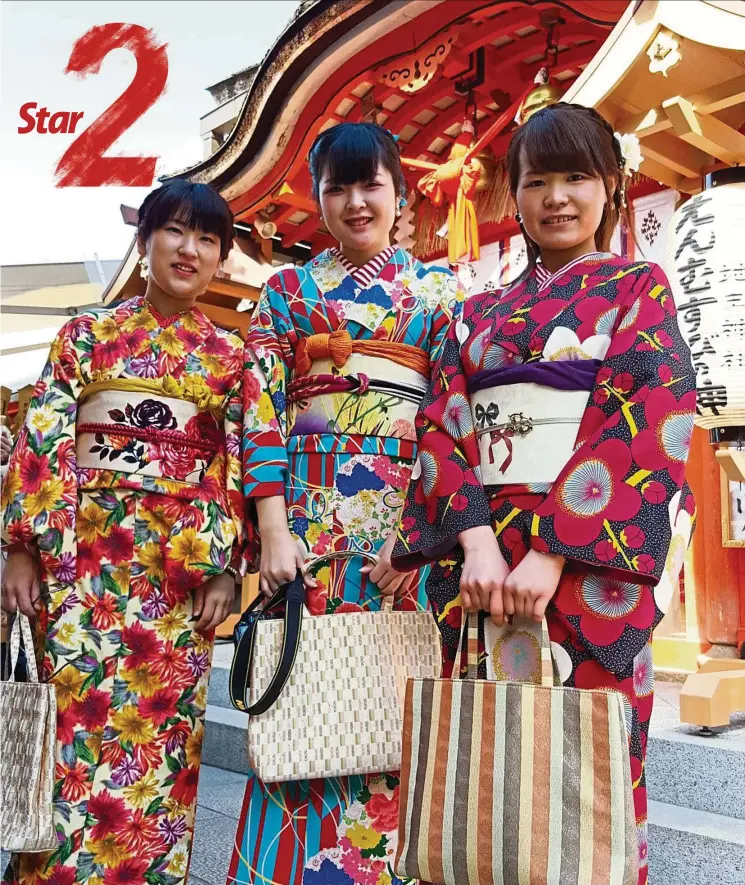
x=601 y=332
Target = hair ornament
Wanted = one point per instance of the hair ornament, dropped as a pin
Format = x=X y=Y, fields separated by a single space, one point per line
x=631 y=152
x=394 y=137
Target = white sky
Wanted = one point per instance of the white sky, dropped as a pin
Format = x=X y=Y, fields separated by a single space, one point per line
x=207 y=41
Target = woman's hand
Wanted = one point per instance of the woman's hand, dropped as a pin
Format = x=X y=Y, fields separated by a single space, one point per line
x=484 y=572
x=281 y=558
x=382 y=573
x=213 y=601
x=529 y=588
x=21 y=583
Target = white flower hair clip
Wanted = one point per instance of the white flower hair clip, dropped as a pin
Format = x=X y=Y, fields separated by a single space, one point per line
x=631 y=151
x=632 y=156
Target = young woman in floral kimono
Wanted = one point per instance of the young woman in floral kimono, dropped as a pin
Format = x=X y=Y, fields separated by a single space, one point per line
x=553 y=440
x=123 y=501
x=337 y=360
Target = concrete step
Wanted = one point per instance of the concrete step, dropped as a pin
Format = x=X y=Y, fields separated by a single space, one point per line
x=689 y=847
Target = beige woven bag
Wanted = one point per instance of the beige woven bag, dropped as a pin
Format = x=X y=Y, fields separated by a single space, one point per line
x=325 y=694
x=28 y=722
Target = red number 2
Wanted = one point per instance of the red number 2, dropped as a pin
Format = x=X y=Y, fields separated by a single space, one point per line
x=83 y=163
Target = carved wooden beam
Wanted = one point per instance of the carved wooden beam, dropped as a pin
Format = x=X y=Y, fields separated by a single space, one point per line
x=708 y=101
x=682 y=158
x=659 y=172
x=706 y=133
x=302 y=232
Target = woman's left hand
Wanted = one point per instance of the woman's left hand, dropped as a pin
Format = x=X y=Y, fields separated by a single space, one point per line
x=213 y=601
x=383 y=575
x=530 y=586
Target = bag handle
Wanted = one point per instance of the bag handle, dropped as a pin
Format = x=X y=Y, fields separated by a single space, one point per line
x=22 y=627
x=470 y=623
x=293 y=595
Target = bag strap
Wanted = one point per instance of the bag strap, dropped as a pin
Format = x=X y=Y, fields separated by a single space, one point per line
x=470 y=623
x=22 y=627
x=293 y=596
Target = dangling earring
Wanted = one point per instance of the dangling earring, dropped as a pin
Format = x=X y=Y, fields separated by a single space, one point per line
x=399 y=208
x=518 y=218
x=144 y=267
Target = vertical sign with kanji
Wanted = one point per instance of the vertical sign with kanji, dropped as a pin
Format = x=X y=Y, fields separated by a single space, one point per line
x=706 y=267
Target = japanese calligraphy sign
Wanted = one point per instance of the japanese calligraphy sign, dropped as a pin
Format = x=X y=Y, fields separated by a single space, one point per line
x=706 y=267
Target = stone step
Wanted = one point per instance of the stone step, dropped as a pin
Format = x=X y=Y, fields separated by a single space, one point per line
x=689 y=847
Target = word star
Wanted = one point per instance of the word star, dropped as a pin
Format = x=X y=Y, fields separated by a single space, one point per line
x=59 y=121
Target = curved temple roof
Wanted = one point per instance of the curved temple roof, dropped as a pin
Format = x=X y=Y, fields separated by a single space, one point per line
x=336 y=60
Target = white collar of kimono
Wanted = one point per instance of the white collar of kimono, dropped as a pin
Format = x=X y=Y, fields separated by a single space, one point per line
x=364 y=275
x=546 y=278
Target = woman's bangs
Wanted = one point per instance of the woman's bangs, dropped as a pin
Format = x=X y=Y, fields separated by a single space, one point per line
x=200 y=209
x=553 y=144
x=353 y=156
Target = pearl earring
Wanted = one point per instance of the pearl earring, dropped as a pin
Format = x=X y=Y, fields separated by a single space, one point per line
x=518 y=218
x=144 y=267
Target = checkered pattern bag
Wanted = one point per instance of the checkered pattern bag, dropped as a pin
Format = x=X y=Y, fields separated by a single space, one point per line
x=340 y=710
x=28 y=722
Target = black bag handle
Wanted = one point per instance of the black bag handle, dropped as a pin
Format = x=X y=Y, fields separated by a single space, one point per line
x=293 y=595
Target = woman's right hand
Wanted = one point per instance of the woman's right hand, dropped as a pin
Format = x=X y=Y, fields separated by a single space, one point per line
x=281 y=559
x=21 y=583
x=484 y=572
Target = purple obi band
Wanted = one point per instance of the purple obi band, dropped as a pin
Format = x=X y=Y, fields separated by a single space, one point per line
x=561 y=375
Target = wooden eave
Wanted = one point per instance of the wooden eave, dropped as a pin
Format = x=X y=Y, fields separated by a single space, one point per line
x=328 y=66
x=690 y=120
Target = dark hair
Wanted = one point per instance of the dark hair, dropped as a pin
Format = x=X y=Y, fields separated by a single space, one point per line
x=352 y=152
x=194 y=205
x=570 y=137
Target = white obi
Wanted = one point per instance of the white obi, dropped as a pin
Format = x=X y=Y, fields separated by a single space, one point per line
x=526 y=431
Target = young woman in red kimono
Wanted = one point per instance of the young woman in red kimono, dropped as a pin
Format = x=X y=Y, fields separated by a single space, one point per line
x=554 y=436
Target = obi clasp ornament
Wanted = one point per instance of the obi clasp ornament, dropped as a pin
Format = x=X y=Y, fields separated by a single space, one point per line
x=519 y=424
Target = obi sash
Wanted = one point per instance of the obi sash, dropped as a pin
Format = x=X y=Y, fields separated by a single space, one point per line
x=365 y=387
x=527 y=419
x=151 y=428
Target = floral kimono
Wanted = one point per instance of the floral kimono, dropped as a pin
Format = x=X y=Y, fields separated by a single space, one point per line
x=126 y=479
x=560 y=413
x=337 y=361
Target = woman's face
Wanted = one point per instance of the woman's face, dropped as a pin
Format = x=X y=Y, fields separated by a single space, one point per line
x=181 y=260
x=561 y=211
x=360 y=216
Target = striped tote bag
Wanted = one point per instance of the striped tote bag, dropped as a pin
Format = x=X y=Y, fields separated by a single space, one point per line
x=509 y=783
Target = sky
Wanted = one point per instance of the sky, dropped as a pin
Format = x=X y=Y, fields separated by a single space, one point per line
x=206 y=43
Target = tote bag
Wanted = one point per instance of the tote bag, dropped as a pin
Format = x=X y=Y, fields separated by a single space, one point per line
x=28 y=722
x=509 y=782
x=325 y=694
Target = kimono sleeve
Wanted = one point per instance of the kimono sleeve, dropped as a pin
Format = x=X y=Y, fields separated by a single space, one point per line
x=245 y=548
x=611 y=506
x=445 y=496
x=268 y=360
x=447 y=296
x=39 y=494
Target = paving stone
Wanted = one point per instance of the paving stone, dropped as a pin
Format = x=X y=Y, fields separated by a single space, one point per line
x=214 y=837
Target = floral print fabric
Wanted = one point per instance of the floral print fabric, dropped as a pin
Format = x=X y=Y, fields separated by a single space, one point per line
x=121 y=554
x=619 y=511
x=343 y=491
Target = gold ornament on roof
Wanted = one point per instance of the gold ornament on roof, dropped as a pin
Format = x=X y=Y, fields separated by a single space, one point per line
x=415 y=71
x=544 y=93
x=664 y=53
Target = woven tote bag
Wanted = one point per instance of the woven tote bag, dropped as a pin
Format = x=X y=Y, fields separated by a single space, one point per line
x=325 y=694
x=28 y=722
x=505 y=782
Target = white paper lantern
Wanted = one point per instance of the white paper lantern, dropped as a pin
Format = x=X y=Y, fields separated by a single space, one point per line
x=706 y=266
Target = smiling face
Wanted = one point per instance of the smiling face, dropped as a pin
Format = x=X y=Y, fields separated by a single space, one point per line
x=360 y=215
x=181 y=260
x=561 y=212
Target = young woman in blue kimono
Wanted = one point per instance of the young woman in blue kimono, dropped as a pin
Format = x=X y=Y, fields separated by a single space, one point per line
x=553 y=441
x=337 y=359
